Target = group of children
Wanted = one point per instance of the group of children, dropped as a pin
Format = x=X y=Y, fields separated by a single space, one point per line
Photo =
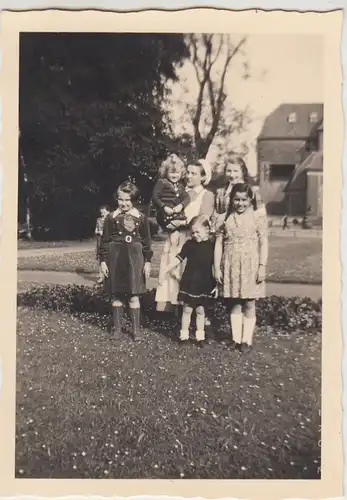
x=224 y=256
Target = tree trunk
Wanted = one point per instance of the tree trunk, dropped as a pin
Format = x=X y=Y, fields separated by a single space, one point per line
x=27 y=196
x=28 y=219
x=201 y=147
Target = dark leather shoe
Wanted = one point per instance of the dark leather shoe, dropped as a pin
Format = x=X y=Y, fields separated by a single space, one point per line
x=246 y=348
x=201 y=343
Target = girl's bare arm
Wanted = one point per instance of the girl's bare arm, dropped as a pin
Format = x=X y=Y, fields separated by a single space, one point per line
x=263 y=240
x=218 y=250
x=207 y=205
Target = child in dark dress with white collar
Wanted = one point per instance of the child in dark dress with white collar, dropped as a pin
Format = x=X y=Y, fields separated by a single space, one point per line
x=198 y=285
x=125 y=254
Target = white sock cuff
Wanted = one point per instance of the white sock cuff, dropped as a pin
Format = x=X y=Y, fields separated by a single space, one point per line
x=236 y=327
x=184 y=334
x=200 y=334
x=249 y=321
x=248 y=329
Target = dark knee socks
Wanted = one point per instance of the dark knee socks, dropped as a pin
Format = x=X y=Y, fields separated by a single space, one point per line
x=117 y=312
x=135 y=318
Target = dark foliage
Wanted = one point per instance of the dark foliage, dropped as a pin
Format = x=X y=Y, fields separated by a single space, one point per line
x=283 y=313
x=90 y=117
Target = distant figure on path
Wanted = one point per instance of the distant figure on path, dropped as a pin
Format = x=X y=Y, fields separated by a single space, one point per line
x=285 y=222
x=104 y=211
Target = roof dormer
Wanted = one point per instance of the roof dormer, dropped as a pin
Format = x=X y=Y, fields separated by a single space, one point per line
x=314 y=117
x=292 y=117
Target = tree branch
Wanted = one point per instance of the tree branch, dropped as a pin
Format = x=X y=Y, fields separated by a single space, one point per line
x=219 y=102
x=202 y=82
x=221 y=40
x=216 y=95
x=226 y=65
x=195 y=61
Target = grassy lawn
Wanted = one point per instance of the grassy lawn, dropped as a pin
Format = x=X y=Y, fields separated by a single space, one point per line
x=291 y=260
x=28 y=245
x=90 y=407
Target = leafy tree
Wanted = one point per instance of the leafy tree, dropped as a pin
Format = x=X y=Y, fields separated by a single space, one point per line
x=91 y=117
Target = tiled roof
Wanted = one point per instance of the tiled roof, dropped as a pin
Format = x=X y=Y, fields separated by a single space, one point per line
x=318 y=127
x=276 y=125
x=280 y=152
x=313 y=163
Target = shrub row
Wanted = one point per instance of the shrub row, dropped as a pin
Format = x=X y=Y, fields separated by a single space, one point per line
x=284 y=313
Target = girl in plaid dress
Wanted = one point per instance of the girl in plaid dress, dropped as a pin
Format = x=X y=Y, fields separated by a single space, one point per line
x=235 y=171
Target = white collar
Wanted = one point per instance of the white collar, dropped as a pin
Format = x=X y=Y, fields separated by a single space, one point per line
x=133 y=211
x=196 y=189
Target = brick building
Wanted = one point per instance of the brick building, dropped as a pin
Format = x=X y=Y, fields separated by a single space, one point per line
x=290 y=160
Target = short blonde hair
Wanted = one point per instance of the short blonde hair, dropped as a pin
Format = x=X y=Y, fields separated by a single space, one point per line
x=173 y=163
x=200 y=220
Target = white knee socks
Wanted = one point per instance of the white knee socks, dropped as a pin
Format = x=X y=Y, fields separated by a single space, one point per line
x=248 y=329
x=236 y=327
x=200 y=335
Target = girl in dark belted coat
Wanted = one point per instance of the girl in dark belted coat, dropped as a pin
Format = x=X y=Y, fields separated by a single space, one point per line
x=125 y=254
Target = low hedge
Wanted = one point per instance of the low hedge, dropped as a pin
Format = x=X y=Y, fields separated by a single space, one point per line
x=283 y=313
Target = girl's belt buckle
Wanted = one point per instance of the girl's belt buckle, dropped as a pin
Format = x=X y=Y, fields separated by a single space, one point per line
x=128 y=238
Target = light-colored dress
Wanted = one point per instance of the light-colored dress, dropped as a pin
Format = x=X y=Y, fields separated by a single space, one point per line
x=202 y=202
x=242 y=236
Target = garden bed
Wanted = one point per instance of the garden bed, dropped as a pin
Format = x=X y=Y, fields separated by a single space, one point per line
x=285 y=313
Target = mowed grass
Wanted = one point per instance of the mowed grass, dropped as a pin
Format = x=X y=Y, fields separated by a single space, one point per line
x=91 y=407
x=297 y=260
x=33 y=245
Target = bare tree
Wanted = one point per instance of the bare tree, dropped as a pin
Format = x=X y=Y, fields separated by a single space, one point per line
x=211 y=56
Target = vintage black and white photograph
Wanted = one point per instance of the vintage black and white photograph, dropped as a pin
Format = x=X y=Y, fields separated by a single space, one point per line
x=170 y=214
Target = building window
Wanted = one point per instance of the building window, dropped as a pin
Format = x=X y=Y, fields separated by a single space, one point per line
x=292 y=118
x=313 y=117
x=281 y=172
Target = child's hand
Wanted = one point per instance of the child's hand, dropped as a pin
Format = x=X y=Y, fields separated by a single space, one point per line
x=214 y=292
x=104 y=269
x=161 y=277
x=175 y=273
x=178 y=209
x=147 y=270
x=261 y=273
x=172 y=226
x=168 y=210
x=218 y=275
